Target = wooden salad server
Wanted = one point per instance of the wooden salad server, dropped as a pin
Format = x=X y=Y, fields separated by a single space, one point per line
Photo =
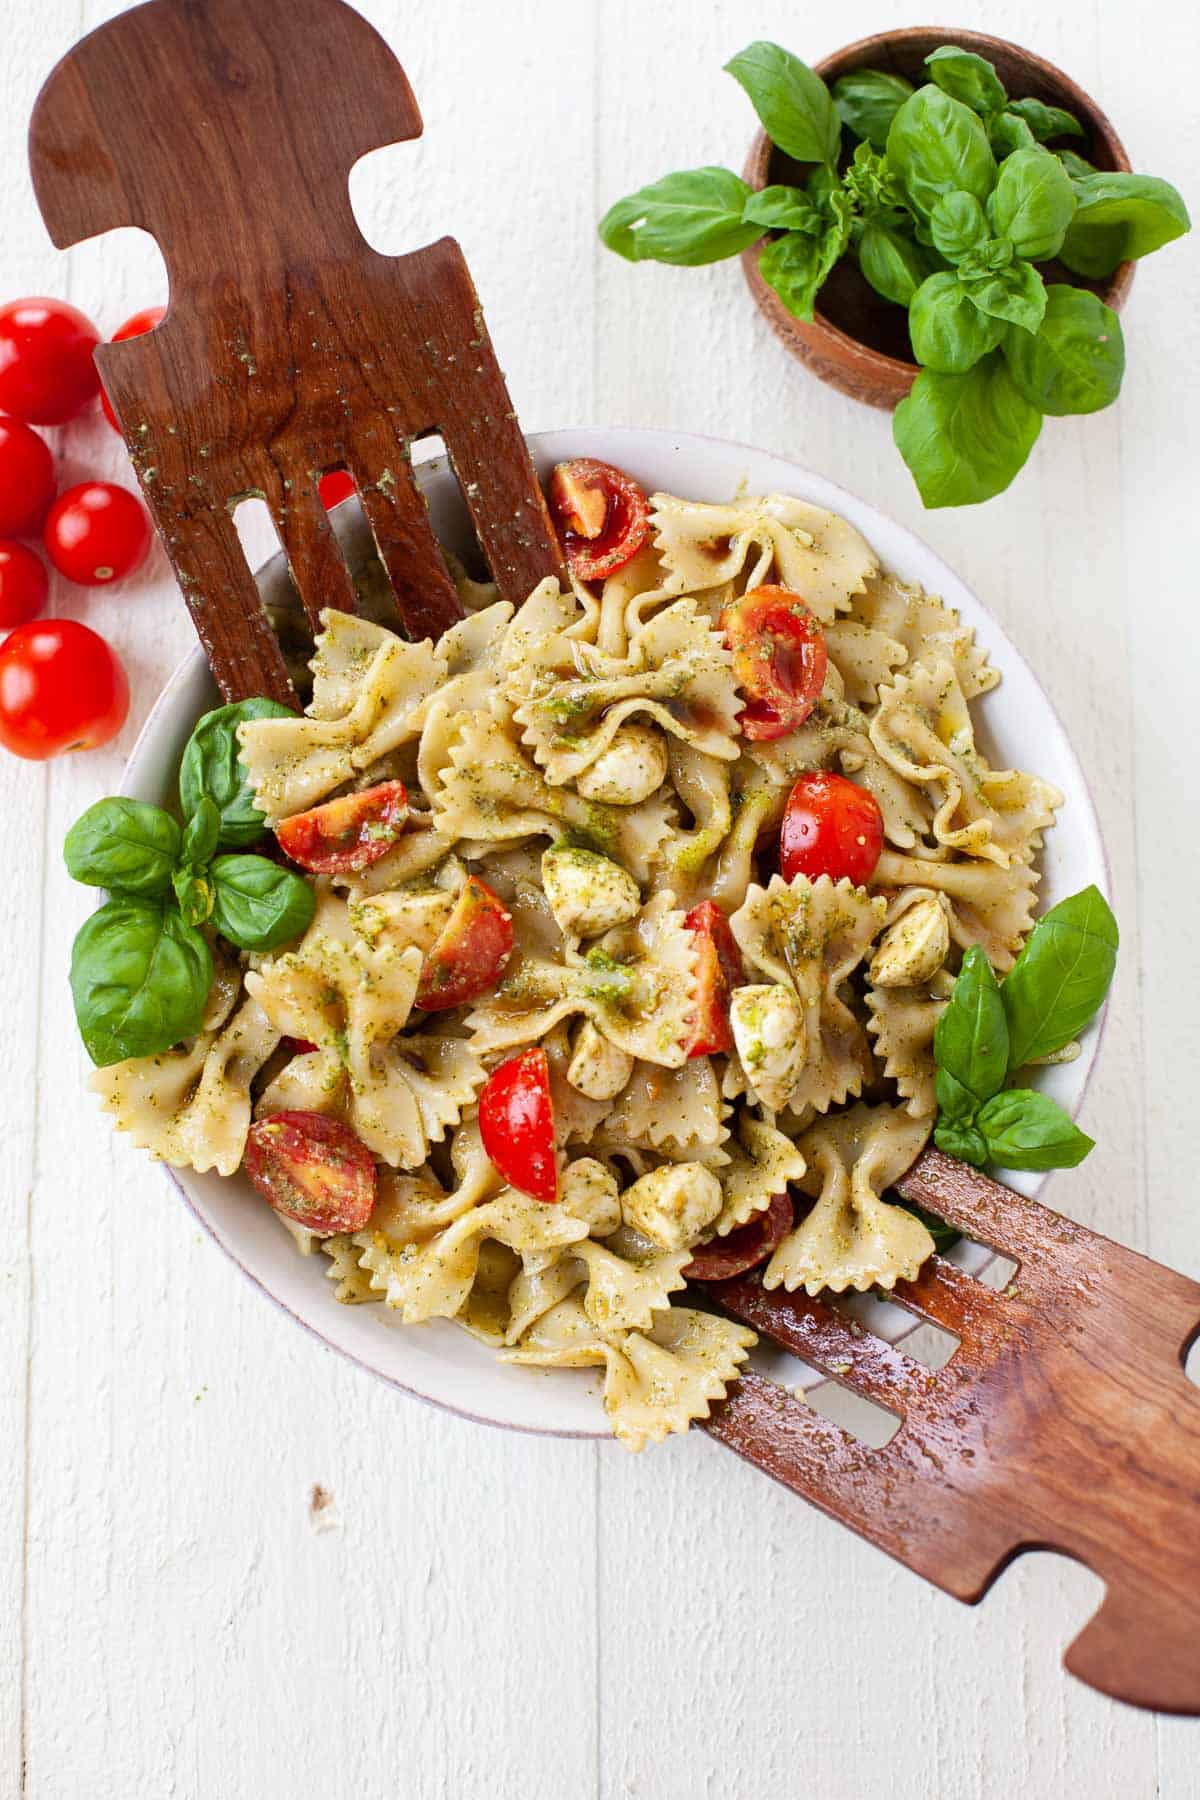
x=228 y=129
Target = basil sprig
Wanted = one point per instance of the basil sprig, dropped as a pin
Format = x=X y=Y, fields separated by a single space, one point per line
x=141 y=966
x=953 y=196
x=991 y=1029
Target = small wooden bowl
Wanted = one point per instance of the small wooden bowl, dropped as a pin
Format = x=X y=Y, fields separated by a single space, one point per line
x=858 y=341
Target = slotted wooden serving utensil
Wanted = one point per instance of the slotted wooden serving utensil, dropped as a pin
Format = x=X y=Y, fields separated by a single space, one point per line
x=1065 y=1419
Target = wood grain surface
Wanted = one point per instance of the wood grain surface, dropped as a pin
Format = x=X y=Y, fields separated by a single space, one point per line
x=231 y=1564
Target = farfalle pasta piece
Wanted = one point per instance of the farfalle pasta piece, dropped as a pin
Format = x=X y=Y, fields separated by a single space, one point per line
x=351 y=1282
x=762 y=1162
x=629 y=1280
x=989 y=906
x=773 y=537
x=570 y=699
x=902 y=1024
x=369 y=688
x=674 y=1110
x=494 y=792
x=703 y=784
x=809 y=936
x=924 y=626
x=473 y=651
x=923 y=730
x=863 y=658
x=852 y=1238
x=637 y=986
x=656 y=1382
x=191 y=1107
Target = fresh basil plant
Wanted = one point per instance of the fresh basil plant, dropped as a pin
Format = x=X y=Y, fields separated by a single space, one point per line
x=949 y=201
x=990 y=1030
x=141 y=966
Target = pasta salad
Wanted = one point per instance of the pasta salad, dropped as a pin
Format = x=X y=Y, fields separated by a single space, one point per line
x=590 y=952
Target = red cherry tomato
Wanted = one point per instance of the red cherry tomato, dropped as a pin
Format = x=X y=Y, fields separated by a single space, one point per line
x=97 y=533
x=61 y=688
x=745 y=1248
x=470 y=952
x=831 y=827
x=24 y=585
x=27 y=481
x=718 y=972
x=313 y=1170
x=602 y=516
x=516 y=1123
x=336 y=486
x=141 y=322
x=46 y=370
x=779 y=659
x=351 y=832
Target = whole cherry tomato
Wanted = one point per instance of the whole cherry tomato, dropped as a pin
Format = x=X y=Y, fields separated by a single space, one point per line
x=24 y=585
x=602 y=515
x=779 y=659
x=46 y=370
x=831 y=827
x=137 y=326
x=61 y=688
x=470 y=951
x=313 y=1170
x=744 y=1248
x=337 y=485
x=516 y=1123
x=351 y=832
x=27 y=480
x=718 y=972
x=97 y=533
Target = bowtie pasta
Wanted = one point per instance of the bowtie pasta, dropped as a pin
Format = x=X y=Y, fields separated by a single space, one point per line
x=632 y=977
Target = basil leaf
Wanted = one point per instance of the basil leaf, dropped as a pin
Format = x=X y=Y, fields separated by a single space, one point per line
x=948 y=330
x=1061 y=978
x=965 y=1141
x=1028 y=1130
x=1007 y=132
x=870 y=183
x=127 y=846
x=986 y=258
x=894 y=265
x=139 y=978
x=1016 y=294
x=958 y=224
x=1077 y=167
x=1046 y=121
x=969 y=78
x=935 y=145
x=195 y=895
x=257 y=905
x=1120 y=217
x=792 y=103
x=689 y=218
x=1075 y=360
x=964 y=437
x=944 y=1236
x=1032 y=203
x=782 y=209
x=868 y=100
x=797 y=266
x=211 y=769
x=971 y=1039
x=201 y=833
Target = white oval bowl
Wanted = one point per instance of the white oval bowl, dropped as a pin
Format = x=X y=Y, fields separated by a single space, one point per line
x=438 y=1361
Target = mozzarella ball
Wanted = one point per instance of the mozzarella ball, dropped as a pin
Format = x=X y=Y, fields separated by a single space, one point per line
x=588 y=894
x=589 y=1192
x=673 y=1205
x=771 y=1040
x=630 y=770
x=917 y=945
x=597 y=1068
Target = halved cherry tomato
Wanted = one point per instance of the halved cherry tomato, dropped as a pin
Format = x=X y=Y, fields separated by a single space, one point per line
x=602 y=515
x=24 y=585
x=46 y=370
x=831 y=826
x=27 y=480
x=779 y=659
x=745 y=1248
x=97 y=533
x=718 y=972
x=516 y=1123
x=141 y=322
x=470 y=951
x=313 y=1170
x=337 y=485
x=61 y=688
x=351 y=832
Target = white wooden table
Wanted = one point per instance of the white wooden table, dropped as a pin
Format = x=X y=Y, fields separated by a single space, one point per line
x=233 y=1565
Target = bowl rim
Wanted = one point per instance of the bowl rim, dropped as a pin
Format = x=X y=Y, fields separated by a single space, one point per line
x=427 y=460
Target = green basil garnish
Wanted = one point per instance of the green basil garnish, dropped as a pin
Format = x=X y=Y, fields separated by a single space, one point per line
x=793 y=104
x=140 y=979
x=868 y=100
x=965 y=436
x=1074 y=362
x=1061 y=978
x=124 y=844
x=969 y=78
x=690 y=218
x=257 y=905
x=211 y=769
